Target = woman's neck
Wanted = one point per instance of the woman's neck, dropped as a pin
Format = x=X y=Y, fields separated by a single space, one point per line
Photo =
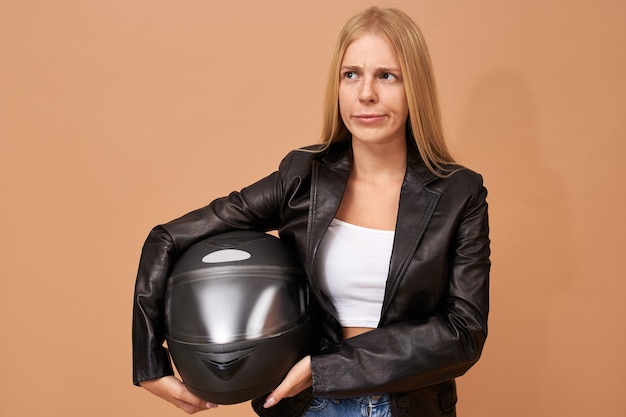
x=372 y=194
x=384 y=161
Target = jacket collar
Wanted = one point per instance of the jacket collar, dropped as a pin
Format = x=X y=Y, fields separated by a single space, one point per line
x=338 y=156
x=417 y=203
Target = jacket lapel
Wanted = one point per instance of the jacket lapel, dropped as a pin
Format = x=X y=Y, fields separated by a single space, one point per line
x=417 y=205
x=328 y=183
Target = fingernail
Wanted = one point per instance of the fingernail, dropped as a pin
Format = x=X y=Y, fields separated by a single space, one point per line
x=211 y=405
x=270 y=401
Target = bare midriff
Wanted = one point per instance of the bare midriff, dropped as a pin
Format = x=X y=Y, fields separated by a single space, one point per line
x=349 y=332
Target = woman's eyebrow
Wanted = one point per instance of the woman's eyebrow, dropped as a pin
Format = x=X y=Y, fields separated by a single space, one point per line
x=389 y=69
x=378 y=69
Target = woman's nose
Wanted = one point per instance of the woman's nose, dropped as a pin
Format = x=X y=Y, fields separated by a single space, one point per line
x=368 y=91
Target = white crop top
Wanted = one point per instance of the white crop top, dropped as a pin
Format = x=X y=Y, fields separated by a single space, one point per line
x=352 y=266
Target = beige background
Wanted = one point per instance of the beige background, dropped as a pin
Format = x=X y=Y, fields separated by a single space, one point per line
x=118 y=115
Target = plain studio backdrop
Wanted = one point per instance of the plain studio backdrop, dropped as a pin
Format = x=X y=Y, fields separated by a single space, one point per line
x=119 y=115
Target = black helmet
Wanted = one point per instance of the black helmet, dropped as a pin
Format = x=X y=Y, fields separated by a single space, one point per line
x=236 y=315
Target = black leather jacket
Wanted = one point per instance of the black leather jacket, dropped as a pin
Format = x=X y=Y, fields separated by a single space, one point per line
x=434 y=316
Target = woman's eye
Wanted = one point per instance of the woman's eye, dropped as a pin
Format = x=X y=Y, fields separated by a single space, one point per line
x=388 y=76
x=349 y=75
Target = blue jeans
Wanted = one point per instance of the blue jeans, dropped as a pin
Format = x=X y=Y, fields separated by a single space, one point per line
x=353 y=407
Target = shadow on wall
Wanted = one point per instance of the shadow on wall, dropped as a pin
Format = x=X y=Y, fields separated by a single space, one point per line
x=530 y=229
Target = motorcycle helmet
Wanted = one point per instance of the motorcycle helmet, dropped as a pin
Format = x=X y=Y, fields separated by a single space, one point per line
x=237 y=316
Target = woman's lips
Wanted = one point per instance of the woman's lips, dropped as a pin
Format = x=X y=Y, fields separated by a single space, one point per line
x=369 y=119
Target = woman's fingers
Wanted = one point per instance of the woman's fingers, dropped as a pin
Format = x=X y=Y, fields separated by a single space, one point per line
x=174 y=391
x=298 y=379
x=188 y=402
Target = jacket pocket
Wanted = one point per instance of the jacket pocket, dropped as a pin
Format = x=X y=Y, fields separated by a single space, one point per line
x=447 y=396
x=434 y=401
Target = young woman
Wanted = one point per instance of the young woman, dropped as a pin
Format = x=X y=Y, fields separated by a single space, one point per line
x=392 y=233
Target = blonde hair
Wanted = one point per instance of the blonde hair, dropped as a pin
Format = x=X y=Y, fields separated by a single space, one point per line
x=424 y=125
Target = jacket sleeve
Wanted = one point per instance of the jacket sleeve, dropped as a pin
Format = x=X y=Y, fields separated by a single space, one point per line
x=256 y=207
x=417 y=353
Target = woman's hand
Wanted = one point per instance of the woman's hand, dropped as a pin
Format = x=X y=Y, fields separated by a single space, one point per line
x=173 y=390
x=297 y=380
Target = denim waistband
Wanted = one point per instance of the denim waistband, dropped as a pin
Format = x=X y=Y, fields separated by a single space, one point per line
x=373 y=399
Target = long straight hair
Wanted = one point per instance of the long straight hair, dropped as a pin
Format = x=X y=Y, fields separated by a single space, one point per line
x=424 y=124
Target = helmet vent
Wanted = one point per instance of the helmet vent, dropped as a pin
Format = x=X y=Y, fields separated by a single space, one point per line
x=226 y=255
x=225 y=365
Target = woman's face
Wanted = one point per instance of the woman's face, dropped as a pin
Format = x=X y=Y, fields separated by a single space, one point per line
x=372 y=99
